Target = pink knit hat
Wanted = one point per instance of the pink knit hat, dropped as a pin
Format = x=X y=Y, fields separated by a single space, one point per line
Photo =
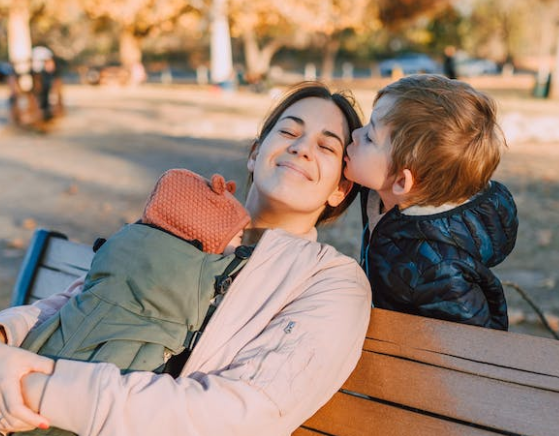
x=187 y=205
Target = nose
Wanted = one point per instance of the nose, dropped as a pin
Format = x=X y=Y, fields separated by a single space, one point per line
x=303 y=147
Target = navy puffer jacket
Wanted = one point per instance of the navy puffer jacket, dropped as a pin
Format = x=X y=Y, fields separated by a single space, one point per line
x=438 y=265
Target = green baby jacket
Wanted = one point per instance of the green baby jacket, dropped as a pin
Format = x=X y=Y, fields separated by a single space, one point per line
x=145 y=291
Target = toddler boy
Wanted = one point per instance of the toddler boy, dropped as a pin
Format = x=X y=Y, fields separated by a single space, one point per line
x=434 y=221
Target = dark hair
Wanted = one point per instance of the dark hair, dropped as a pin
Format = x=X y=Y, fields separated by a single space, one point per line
x=349 y=107
x=446 y=133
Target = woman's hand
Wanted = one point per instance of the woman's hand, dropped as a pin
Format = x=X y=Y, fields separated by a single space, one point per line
x=15 y=364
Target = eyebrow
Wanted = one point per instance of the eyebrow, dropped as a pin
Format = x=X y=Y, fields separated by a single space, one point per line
x=302 y=123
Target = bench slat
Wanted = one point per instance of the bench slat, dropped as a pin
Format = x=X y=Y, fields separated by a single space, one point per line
x=457 y=395
x=49 y=282
x=481 y=369
x=528 y=353
x=51 y=263
x=346 y=415
x=67 y=256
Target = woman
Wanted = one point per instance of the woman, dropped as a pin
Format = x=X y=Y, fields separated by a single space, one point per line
x=282 y=342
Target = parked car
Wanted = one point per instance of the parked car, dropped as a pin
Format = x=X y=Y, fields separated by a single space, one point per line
x=409 y=63
x=469 y=67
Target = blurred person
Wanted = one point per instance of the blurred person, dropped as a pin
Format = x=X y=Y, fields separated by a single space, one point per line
x=44 y=74
x=449 y=62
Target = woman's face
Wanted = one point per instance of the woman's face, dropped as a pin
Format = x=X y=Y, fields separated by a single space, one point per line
x=298 y=166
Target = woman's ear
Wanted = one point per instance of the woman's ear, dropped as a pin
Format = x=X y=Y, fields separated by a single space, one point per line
x=340 y=193
x=403 y=183
x=252 y=158
x=250 y=164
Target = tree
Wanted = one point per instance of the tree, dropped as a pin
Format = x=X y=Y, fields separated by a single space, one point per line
x=496 y=28
x=19 y=35
x=329 y=20
x=263 y=30
x=504 y=30
x=55 y=23
x=137 y=19
x=265 y=26
x=410 y=19
x=549 y=19
x=445 y=29
x=398 y=13
x=221 y=57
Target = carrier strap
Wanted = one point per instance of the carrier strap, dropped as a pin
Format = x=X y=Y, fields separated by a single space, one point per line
x=176 y=363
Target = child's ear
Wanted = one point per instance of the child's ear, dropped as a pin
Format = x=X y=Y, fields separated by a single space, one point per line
x=340 y=193
x=403 y=183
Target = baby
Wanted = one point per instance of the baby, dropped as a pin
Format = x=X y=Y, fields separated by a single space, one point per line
x=150 y=285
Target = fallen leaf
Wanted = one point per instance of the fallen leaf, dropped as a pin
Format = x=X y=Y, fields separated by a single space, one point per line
x=544 y=237
x=29 y=224
x=553 y=321
x=72 y=189
x=17 y=243
x=516 y=316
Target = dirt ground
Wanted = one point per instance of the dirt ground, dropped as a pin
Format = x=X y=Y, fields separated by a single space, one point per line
x=91 y=172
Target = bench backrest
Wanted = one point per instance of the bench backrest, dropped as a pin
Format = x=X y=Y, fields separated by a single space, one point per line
x=50 y=264
x=417 y=376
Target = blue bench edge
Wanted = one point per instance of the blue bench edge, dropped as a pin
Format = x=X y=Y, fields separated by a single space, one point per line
x=30 y=264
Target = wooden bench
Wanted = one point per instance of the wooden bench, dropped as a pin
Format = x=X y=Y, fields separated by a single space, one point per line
x=417 y=376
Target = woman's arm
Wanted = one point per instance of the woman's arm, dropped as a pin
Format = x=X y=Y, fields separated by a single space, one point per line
x=15 y=322
x=275 y=382
x=16 y=364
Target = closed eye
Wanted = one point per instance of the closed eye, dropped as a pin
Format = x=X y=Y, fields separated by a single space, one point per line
x=288 y=133
x=327 y=147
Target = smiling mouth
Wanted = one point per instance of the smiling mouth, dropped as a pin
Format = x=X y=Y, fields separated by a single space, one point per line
x=295 y=168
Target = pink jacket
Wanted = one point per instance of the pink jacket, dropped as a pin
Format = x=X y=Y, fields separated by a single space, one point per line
x=282 y=342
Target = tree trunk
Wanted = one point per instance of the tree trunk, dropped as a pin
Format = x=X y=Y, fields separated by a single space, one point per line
x=252 y=54
x=131 y=56
x=507 y=32
x=19 y=36
x=554 y=93
x=221 y=56
x=329 y=61
x=267 y=54
x=258 y=60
